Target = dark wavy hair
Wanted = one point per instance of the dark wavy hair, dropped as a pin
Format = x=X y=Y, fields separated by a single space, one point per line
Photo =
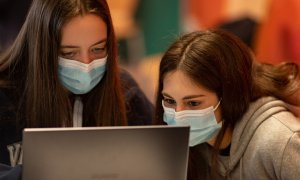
x=222 y=63
x=30 y=68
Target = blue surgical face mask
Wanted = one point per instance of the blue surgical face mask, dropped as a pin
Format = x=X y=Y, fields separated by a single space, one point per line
x=203 y=123
x=80 y=78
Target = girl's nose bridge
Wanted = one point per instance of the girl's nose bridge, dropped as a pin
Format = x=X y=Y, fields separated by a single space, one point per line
x=86 y=57
x=179 y=108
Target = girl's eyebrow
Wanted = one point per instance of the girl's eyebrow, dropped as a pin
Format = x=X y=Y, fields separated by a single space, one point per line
x=99 y=42
x=192 y=96
x=72 y=46
x=184 y=98
x=167 y=95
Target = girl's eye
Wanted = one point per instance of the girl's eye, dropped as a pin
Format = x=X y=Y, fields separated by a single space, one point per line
x=98 y=50
x=169 y=102
x=68 y=55
x=193 y=103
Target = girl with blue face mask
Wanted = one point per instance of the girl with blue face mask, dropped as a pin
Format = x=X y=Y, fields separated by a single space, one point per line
x=62 y=71
x=185 y=103
x=82 y=60
x=237 y=108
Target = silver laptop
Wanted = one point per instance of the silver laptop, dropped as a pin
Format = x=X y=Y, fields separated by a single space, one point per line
x=106 y=153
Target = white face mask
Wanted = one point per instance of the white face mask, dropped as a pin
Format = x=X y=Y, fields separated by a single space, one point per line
x=80 y=78
x=203 y=123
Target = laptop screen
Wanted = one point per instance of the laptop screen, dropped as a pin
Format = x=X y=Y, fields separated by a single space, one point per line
x=121 y=153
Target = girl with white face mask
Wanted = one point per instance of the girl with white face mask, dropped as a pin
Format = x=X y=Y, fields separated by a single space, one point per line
x=62 y=71
x=240 y=124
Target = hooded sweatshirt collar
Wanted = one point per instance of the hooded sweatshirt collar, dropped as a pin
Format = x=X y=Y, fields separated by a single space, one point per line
x=257 y=113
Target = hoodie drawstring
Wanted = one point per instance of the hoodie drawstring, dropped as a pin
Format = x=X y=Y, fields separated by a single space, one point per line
x=241 y=168
x=77 y=112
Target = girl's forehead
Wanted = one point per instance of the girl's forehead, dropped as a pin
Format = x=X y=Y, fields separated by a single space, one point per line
x=83 y=30
x=176 y=83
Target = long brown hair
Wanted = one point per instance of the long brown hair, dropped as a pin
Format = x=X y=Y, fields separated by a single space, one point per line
x=223 y=64
x=30 y=67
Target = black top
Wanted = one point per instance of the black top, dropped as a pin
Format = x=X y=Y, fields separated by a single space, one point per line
x=139 y=112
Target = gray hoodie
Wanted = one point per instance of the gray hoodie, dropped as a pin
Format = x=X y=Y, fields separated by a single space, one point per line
x=265 y=144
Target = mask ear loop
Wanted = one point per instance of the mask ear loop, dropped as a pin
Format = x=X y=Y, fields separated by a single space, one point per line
x=218 y=104
x=222 y=121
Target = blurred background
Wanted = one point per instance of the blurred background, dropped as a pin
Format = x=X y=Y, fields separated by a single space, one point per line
x=145 y=29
